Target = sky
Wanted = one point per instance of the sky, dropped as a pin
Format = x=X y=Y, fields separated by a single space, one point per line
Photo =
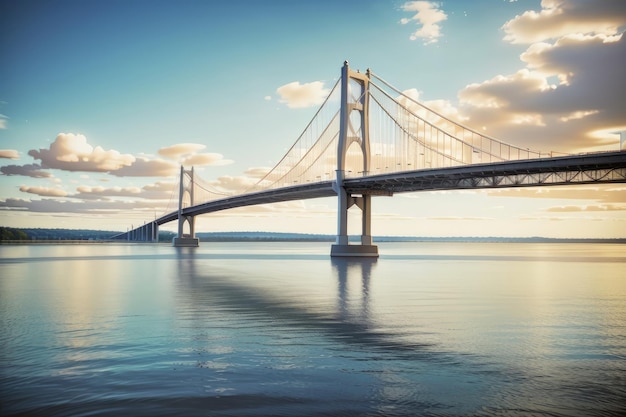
x=102 y=101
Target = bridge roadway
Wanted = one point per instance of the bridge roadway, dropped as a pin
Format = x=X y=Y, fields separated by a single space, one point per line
x=577 y=169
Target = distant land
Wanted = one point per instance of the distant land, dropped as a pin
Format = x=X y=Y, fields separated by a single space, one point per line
x=10 y=235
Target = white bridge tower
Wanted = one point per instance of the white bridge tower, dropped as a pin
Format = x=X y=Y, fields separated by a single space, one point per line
x=353 y=102
x=186 y=239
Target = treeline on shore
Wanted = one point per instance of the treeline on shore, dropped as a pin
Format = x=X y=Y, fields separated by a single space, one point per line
x=26 y=234
x=10 y=234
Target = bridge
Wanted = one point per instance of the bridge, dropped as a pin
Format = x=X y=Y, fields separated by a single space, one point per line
x=370 y=139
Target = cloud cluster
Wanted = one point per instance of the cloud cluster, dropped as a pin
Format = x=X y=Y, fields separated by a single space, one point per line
x=428 y=17
x=297 y=95
x=49 y=205
x=570 y=94
x=559 y=18
x=71 y=152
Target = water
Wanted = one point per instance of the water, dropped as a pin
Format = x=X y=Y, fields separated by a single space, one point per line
x=280 y=329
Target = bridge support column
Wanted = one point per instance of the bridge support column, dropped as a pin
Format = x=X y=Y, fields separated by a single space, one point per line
x=342 y=245
x=155 y=231
x=347 y=136
x=183 y=240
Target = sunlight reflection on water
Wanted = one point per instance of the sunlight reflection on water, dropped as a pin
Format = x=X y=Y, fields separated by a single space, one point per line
x=281 y=329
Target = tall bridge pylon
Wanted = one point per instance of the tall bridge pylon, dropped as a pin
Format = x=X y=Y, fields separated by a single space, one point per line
x=183 y=239
x=353 y=129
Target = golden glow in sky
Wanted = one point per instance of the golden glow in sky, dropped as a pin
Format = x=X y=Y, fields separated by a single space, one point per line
x=100 y=104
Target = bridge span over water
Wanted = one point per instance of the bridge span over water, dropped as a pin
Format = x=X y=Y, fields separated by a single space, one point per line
x=378 y=142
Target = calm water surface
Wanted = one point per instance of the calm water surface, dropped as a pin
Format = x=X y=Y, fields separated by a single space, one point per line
x=280 y=329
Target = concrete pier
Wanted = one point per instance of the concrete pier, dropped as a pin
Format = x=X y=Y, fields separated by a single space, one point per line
x=186 y=242
x=357 y=251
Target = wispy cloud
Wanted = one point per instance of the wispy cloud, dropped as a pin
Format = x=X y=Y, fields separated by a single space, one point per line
x=50 y=205
x=188 y=154
x=596 y=207
x=180 y=150
x=297 y=95
x=145 y=167
x=44 y=191
x=449 y=218
x=428 y=16
x=9 y=154
x=29 y=170
x=603 y=193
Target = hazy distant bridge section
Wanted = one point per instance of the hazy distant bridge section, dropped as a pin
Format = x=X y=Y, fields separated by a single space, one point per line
x=370 y=139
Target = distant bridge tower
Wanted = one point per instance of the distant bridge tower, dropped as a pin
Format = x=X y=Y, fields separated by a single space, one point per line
x=353 y=102
x=183 y=239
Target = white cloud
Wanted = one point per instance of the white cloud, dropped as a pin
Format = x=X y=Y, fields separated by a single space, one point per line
x=187 y=154
x=9 y=154
x=428 y=17
x=257 y=172
x=297 y=95
x=200 y=159
x=44 y=191
x=181 y=149
x=3 y=121
x=71 y=152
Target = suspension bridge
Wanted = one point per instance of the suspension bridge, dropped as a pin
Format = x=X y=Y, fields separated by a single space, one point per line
x=370 y=139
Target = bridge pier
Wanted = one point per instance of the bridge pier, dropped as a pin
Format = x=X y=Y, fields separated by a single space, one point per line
x=342 y=245
x=186 y=240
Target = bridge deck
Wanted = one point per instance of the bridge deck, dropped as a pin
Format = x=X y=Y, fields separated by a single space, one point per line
x=577 y=169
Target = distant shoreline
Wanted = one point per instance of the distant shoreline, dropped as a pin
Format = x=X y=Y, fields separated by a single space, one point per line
x=81 y=236
x=327 y=239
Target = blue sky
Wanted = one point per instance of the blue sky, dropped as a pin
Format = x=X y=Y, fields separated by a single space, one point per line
x=100 y=101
